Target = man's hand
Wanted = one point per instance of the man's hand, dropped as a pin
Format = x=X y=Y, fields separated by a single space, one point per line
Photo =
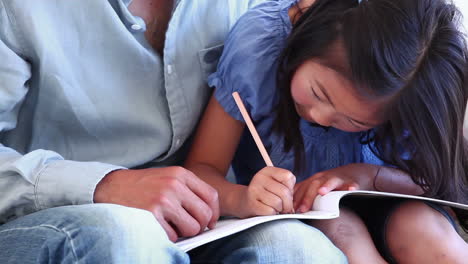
x=183 y=204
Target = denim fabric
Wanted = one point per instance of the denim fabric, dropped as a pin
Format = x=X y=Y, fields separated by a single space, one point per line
x=104 y=233
x=284 y=241
x=99 y=233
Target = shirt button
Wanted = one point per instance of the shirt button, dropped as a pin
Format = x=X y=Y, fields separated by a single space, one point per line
x=169 y=69
x=136 y=27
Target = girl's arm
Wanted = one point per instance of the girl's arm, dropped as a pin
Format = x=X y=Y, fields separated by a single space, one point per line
x=213 y=149
x=269 y=192
x=354 y=176
x=388 y=179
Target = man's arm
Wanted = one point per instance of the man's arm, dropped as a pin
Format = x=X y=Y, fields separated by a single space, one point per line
x=39 y=179
x=43 y=179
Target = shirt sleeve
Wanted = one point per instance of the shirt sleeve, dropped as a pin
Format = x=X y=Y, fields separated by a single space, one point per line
x=249 y=62
x=39 y=179
x=368 y=156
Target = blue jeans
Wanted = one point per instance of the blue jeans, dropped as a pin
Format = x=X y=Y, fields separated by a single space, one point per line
x=104 y=233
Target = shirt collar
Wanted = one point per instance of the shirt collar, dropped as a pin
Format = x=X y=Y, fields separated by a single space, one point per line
x=120 y=7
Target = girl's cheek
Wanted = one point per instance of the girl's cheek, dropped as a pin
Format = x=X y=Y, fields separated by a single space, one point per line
x=299 y=94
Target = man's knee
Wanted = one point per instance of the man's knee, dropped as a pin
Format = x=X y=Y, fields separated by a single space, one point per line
x=108 y=221
x=125 y=233
x=102 y=233
x=297 y=242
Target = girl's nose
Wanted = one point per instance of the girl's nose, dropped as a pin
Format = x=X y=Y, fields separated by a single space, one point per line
x=323 y=118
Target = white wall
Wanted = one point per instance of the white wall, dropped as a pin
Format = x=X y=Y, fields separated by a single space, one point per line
x=463 y=6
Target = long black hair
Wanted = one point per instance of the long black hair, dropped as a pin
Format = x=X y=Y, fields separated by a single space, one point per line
x=412 y=52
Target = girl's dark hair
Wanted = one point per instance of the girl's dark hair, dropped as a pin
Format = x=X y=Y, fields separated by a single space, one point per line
x=410 y=51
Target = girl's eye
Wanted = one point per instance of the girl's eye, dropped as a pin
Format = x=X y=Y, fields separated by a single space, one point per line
x=354 y=124
x=357 y=125
x=316 y=96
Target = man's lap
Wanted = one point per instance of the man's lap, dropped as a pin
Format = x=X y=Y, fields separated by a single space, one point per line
x=283 y=241
x=105 y=233
x=98 y=233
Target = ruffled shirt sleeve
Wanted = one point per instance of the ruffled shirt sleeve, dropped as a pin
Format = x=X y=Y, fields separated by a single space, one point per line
x=248 y=64
x=369 y=157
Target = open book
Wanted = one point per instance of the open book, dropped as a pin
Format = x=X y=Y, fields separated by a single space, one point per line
x=325 y=207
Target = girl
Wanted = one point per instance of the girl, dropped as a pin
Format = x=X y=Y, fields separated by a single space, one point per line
x=327 y=87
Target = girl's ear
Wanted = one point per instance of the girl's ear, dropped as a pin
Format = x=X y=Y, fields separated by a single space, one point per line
x=306 y=3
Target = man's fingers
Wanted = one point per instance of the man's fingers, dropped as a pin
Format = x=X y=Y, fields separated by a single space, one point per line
x=171 y=233
x=184 y=224
x=196 y=207
x=207 y=193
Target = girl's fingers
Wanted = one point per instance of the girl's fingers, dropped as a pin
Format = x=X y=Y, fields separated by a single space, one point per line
x=330 y=185
x=296 y=187
x=271 y=200
x=353 y=187
x=298 y=195
x=285 y=177
x=283 y=193
x=309 y=197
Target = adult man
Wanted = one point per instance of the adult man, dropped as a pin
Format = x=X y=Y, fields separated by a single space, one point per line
x=89 y=88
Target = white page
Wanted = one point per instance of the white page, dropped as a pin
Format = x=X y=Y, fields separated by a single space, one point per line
x=324 y=207
x=329 y=201
x=227 y=227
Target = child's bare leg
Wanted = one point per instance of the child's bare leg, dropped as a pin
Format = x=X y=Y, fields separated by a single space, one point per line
x=350 y=235
x=417 y=233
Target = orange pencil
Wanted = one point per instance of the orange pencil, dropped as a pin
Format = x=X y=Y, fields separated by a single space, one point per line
x=252 y=129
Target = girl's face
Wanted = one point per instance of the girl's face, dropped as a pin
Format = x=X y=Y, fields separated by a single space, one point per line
x=324 y=96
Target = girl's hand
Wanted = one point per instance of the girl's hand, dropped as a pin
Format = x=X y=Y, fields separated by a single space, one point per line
x=349 y=177
x=270 y=192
